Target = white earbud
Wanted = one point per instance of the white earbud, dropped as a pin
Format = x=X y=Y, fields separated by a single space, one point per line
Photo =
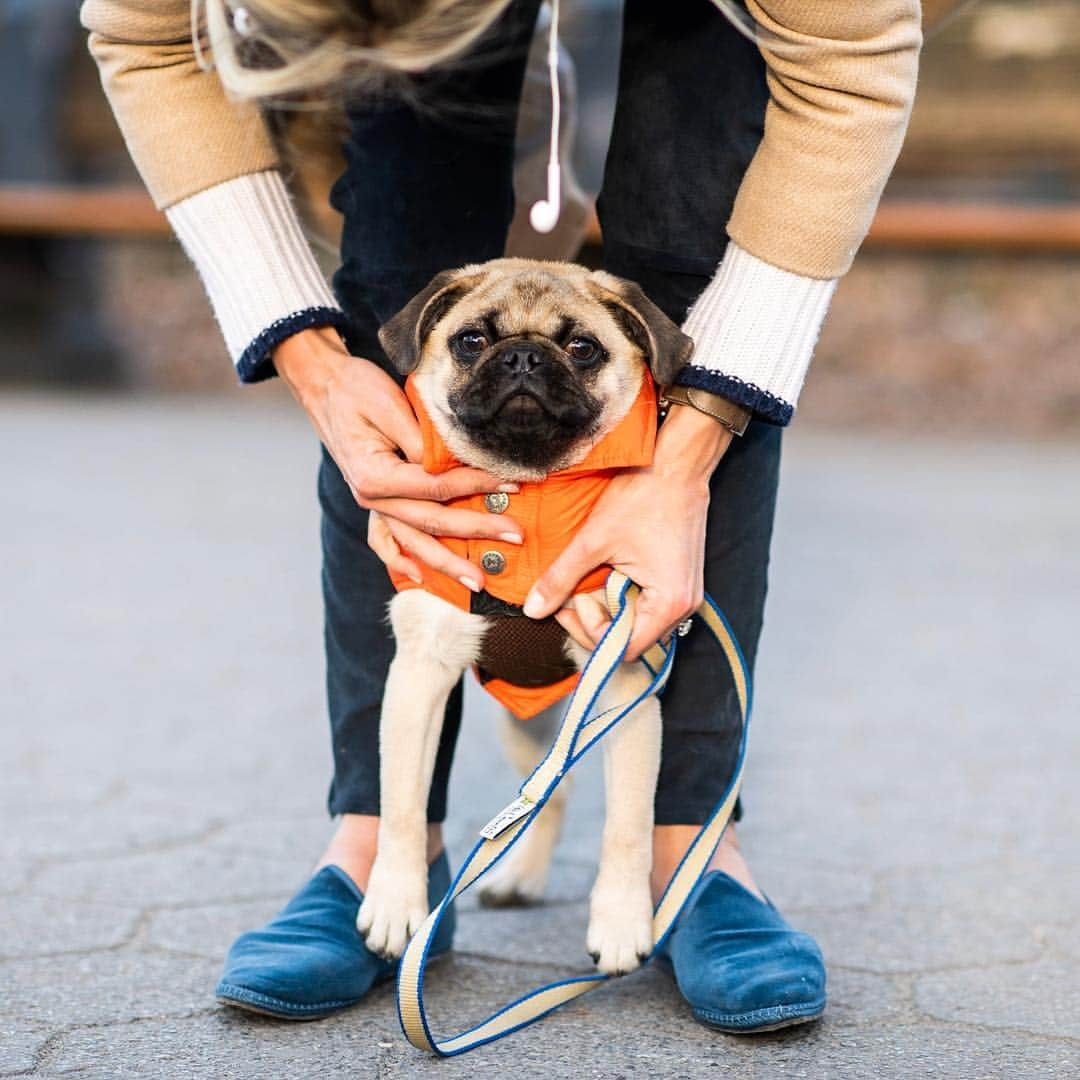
x=544 y=215
x=242 y=22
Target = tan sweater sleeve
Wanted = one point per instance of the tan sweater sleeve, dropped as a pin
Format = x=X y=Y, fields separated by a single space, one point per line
x=842 y=80
x=184 y=134
x=841 y=77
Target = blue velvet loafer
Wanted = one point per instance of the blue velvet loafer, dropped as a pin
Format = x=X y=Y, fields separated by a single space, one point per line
x=311 y=961
x=739 y=964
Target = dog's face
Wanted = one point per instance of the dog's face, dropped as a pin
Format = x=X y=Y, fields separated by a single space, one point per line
x=523 y=366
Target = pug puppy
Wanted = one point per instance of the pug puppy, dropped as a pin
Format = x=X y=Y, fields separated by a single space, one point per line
x=523 y=367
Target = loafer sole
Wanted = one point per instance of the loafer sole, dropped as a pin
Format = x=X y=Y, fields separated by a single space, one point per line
x=278 y=1010
x=251 y=1001
x=758 y=1021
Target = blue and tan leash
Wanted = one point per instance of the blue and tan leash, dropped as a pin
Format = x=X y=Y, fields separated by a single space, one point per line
x=580 y=730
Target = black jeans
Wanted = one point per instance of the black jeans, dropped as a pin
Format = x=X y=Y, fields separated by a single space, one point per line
x=428 y=186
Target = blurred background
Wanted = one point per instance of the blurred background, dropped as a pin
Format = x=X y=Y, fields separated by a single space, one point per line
x=960 y=312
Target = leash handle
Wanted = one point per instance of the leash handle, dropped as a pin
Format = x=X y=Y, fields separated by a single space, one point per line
x=579 y=731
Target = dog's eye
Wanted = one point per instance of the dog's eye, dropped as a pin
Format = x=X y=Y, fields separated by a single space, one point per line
x=471 y=342
x=582 y=350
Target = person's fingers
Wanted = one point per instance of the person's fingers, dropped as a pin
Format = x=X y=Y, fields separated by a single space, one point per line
x=464 y=480
x=394 y=419
x=648 y=630
x=438 y=520
x=569 y=620
x=387 y=409
x=400 y=427
x=383 y=475
x=593 y=613
x=381 y=540
x=656 y=617
x=582 y=555
x=438 y=556
x=585 y=619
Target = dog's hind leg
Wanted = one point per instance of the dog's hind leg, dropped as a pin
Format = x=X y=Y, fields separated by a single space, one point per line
x=435 y=642
x=521 y=875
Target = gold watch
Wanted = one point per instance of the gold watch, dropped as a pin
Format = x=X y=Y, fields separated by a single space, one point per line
x=732 y=416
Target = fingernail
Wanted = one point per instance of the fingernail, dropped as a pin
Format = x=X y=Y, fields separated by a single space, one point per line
x=416 y=578
x=534 y=604
x=510 y=538
x=469 y=584
x=509 y=489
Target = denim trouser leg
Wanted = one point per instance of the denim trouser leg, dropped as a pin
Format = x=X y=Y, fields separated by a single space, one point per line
x=428 y=188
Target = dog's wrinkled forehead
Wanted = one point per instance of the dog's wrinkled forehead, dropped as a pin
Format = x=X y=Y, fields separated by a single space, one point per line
x=533 y=301
x=505 y=298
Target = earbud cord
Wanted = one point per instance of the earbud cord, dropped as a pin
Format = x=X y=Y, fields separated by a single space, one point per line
x=544 y=215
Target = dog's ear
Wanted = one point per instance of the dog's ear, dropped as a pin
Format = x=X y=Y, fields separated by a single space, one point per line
x=402 y=337
x=666 y=347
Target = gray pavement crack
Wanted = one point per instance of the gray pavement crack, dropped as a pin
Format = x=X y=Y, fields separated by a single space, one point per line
x=54 y=1041
x=155 y=847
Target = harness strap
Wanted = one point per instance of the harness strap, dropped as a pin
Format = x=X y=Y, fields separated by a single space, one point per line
x=580 y=730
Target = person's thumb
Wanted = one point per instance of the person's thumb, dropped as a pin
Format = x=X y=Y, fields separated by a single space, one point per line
x=556 y=584
x=398 y=423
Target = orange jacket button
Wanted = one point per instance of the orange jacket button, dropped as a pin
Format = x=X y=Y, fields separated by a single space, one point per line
x=493 y=562
x=497 y=502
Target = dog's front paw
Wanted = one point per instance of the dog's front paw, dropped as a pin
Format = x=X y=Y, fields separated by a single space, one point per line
x=620 y=931
x=394 y=908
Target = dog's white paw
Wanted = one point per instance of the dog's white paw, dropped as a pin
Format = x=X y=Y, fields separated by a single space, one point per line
x=395 y=906
x=518 y=880
x=620 y=931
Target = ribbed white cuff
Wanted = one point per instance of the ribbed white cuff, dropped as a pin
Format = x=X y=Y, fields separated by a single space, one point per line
x=755 y=327
x=246 y=240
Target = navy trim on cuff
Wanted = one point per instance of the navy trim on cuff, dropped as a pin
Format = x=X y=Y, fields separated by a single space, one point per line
x=765 y=406
x=255 y=364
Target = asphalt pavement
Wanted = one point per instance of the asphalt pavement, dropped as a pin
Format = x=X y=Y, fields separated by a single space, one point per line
x=912 y=795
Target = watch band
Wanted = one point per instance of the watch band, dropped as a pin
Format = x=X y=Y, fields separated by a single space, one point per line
x=732 y=416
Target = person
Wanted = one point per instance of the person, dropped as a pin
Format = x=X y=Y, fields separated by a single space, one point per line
x=740 y=179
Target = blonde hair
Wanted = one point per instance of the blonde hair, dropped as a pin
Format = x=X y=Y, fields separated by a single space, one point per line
x=280 y=48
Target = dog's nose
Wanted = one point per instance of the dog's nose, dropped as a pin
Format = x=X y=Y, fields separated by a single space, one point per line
x=521 y=358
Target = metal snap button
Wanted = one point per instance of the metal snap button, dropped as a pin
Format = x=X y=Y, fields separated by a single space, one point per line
x=493 y=562
x=497 y=502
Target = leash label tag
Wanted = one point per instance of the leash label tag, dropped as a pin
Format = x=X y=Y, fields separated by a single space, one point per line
x=506 y=817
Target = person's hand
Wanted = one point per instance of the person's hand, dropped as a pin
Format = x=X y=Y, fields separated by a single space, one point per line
x=393 y=542
x=364 y=420
x=650 y=524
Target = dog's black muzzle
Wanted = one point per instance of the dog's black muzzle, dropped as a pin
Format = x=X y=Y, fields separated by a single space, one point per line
x=525 y=404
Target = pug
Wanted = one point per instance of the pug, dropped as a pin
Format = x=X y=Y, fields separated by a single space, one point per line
x=528 y=370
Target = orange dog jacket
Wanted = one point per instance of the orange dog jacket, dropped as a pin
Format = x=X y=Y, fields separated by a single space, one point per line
x=550 y=512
